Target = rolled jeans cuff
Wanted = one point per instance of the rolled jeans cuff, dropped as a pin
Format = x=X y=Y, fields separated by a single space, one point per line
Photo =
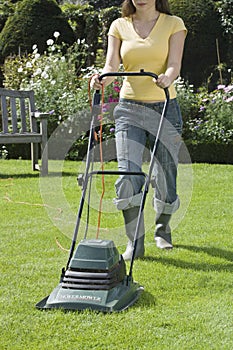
x=127 y=203
x=166 y=208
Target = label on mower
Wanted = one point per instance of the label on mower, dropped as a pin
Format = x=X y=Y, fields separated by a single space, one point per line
x=81 y=297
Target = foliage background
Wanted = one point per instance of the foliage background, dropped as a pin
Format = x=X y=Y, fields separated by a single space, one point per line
x=206 y=21
x=59 y=72
x=30 y=24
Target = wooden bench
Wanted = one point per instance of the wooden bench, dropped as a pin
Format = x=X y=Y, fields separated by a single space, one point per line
x=19 y=124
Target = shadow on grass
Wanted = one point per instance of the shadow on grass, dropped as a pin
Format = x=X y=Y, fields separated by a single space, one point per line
x=146 y=300
x=18 y=176
x=215 y=252
x=202 y=266
x=37 y=175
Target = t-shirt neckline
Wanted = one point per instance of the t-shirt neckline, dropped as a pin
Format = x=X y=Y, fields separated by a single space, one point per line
x=153 y=28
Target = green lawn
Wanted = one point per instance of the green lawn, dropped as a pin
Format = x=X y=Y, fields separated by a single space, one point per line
x=187 y=302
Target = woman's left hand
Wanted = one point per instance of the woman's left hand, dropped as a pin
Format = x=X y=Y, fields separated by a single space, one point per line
x=163 y=81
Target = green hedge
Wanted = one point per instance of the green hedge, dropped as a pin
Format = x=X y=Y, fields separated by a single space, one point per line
x=33 y=22
x=203 y=22
x=201 y=153
x=210 y=153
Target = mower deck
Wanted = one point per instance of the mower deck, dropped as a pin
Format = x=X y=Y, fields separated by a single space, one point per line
x=96 y=279
x=118 y=298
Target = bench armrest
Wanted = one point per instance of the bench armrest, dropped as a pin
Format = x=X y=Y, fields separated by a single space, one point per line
x=39 y=115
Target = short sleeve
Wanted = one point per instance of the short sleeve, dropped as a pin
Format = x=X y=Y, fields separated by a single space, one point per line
x=178 y=25
x=114 y=29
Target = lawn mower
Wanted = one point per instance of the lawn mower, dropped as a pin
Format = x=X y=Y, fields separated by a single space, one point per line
x=95 y=276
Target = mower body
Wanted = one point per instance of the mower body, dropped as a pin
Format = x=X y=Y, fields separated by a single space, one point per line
x=95 y=279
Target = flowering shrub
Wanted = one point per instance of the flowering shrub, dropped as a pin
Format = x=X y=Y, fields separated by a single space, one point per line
x=214 y=122
x=3 y=152
x=207 y=116
x=111 y=94
x=111 y=97
x=188 y=101
x=52 y=76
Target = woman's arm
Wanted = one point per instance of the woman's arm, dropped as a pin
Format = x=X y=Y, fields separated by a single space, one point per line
x=176 y=47
x=112 y=63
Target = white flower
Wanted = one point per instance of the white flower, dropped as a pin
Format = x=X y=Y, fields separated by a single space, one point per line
x=20 y=69
x=38 y=71
x=28 y=65
x=44 y=75
x=53 y=82
x=37 y=55
x=50 y=42
x=53 y=48
x=63 y=59
x=56 y=34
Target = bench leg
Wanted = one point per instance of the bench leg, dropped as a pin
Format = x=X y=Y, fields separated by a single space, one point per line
x=44 y=159
x=34 y=156
x=44 y=147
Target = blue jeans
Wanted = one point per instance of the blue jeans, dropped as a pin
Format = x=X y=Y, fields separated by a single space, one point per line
x=136 y=128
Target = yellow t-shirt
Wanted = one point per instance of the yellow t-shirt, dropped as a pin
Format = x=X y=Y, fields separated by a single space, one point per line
x=150 y=54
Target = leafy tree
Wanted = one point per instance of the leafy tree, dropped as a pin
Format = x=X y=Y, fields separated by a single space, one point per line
x=106 y=17
x=97 y=4
x=204 y=27
x=85 y=24
x=6 y=8
x=33 y=22
x=225 y=8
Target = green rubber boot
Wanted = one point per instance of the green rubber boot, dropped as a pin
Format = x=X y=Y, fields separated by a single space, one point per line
x=130 y=217
x=163 y=232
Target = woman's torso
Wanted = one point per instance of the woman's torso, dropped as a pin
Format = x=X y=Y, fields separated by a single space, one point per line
x=149 y=54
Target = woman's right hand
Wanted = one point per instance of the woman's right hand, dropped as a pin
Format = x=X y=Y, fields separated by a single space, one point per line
x=95 y=83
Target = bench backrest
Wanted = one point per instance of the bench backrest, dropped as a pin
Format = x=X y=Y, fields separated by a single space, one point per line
x=17 y=110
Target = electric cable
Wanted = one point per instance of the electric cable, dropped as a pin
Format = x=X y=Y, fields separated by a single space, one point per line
x=99 y=138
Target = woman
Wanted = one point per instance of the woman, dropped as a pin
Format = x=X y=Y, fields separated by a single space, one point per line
x=146 y=37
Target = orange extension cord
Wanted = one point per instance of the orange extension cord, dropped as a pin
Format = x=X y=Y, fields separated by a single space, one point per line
x=101 y=161
x=99 y=137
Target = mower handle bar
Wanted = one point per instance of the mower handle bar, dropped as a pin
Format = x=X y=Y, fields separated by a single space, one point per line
x=130 y=74
x=96 y=101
